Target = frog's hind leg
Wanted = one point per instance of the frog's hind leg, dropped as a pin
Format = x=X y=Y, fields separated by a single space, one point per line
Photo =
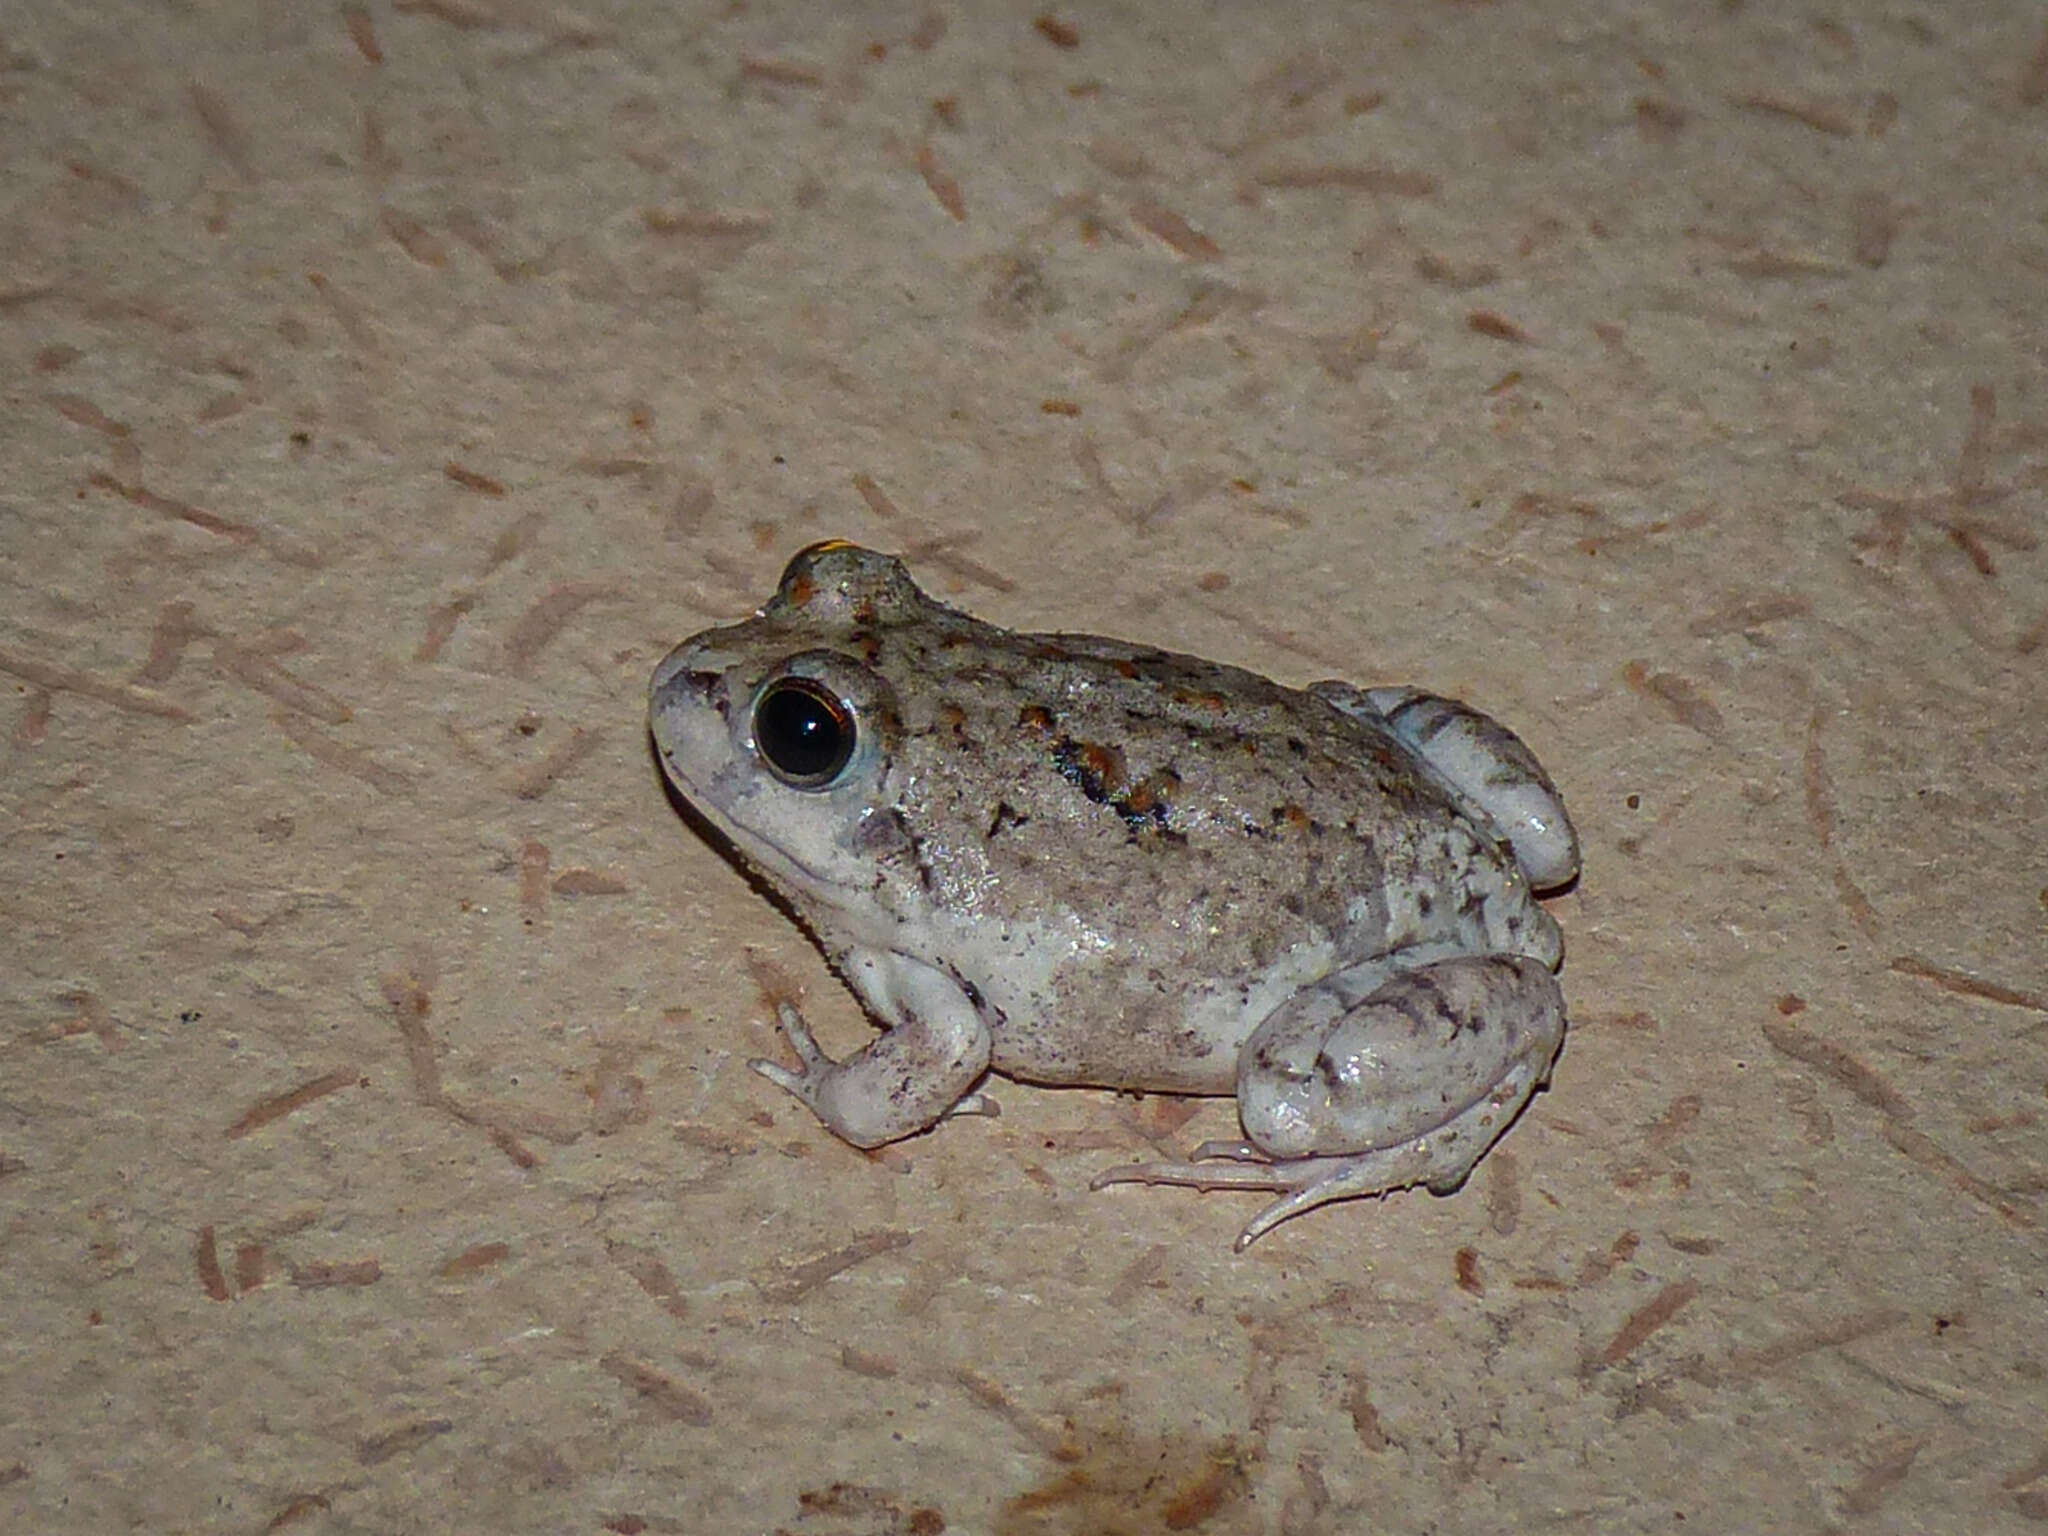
x=1345 y=1096
x=1485 y=762
x=1307 y=1182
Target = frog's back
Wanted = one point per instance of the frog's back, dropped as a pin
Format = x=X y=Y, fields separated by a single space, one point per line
x=1131 y=853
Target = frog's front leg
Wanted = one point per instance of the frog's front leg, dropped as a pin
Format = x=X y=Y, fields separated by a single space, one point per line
x=935 y=1049
x=1370 y=1082
x=1485 y=762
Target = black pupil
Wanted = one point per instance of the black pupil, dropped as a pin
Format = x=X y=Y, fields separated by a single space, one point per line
x=804 y=732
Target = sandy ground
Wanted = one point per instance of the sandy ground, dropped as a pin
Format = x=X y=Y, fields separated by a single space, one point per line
x=388 y=385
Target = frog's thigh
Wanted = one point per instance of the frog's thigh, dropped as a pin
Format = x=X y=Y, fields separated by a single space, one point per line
x=1407 y=1083
x=1484 y=761
x=1434 y=1061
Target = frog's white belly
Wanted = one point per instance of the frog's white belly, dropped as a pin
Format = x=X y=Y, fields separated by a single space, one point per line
x=1065 y=1008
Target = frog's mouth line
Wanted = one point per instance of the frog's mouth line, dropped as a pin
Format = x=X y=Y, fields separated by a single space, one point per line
x=767 y=866
x=776 y=863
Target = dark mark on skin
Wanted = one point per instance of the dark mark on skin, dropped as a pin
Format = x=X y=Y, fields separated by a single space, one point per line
x=1296 y=819
x=1099 y=773
x=1004 y=816
x=952 y=719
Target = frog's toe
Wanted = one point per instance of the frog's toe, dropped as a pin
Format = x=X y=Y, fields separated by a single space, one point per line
x=776 y=1073
x=804 y=1084
x=1253 y=1172
x=800 y=1039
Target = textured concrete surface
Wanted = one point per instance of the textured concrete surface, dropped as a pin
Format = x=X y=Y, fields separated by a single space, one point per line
x=387 y=385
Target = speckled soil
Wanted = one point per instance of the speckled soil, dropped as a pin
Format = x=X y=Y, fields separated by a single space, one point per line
x=387 y=385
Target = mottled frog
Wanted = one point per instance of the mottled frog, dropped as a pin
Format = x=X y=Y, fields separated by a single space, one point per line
x=1073 y=860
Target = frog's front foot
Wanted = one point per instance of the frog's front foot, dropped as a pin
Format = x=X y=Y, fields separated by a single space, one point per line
x=919 y=1072
x=1408 y=1084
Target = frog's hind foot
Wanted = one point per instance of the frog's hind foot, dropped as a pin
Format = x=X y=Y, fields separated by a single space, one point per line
x=1306 y=1182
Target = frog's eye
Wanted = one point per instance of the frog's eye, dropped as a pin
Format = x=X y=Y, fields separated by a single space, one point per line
x=803 y=731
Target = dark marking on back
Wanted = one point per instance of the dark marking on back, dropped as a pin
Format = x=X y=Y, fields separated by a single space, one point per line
x=1004 y=816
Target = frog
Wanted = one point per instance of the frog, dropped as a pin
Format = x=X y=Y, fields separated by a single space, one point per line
x=1072 y=860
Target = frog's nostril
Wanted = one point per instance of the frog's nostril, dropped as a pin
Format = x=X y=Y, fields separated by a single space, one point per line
x=684 y=692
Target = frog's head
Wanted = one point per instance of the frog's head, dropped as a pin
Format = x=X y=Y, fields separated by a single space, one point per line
x=781 y=735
